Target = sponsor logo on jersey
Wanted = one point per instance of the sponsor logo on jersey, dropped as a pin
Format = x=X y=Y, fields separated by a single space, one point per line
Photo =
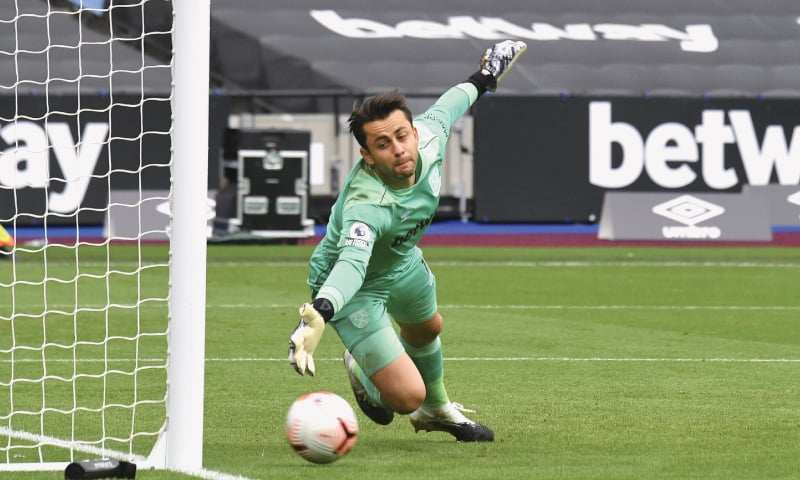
x=359 y=235
x=690 y=211
x=418 y=228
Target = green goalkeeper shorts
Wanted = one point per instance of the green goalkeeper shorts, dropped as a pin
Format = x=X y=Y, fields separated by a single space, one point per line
x=365 y=323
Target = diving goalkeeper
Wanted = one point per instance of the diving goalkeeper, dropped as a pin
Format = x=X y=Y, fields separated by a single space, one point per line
x=368 y=270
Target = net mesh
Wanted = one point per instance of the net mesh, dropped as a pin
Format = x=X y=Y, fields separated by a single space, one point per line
x=85 y=124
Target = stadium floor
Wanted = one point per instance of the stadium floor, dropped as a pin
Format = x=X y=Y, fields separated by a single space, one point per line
x=457 y=233
x=571 y=235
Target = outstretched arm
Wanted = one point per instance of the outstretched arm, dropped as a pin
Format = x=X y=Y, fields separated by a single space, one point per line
x=494 y=64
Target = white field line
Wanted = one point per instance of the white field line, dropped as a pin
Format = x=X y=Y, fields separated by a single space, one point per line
x=615 y=263
x=548 y=359
x=447 y=359
x=92 y=450
x=77 y=446
x=755 y=308
x=550 y=263
x=488 y=263
x=751 y=308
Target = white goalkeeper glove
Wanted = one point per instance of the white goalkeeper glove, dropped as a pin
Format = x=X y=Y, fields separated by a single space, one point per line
x=307 y=334
x=495 y=63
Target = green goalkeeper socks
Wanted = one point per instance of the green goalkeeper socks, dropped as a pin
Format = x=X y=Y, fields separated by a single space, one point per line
x=430 y=363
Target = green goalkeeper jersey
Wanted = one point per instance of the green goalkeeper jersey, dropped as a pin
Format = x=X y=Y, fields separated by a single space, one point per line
x=373 y=230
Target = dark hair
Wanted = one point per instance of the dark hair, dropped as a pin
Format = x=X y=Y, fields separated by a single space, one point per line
x=374 y=108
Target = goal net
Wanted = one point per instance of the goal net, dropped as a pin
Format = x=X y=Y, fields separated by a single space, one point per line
x=103 y=187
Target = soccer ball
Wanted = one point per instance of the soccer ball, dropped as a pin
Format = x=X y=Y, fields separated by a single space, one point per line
x=321 y=427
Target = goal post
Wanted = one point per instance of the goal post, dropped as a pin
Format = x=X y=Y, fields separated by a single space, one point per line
x=184 y=431
x=102 y=314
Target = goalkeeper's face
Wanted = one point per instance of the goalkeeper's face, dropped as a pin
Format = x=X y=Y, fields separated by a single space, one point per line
x=392 y=149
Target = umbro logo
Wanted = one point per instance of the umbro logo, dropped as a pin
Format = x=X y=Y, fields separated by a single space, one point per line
x=794 y=198
x=689 y=210
x=405 y=216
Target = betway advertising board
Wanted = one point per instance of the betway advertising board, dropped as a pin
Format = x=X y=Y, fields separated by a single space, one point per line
x=552 y=159
x=55 y=164
x=59 y=167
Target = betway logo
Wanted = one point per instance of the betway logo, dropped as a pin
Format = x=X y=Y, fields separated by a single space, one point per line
x=669 y=153
x=690 y=211
x=25 y=163
x=694 y=38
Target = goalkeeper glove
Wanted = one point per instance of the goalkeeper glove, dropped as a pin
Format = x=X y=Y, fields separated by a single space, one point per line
x=306 y=336
x=495 y=63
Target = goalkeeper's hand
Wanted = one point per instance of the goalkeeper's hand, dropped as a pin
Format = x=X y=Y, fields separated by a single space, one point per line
x=306 y=336
x=496 y=61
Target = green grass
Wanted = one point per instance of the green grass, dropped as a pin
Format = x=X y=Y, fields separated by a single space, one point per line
x=596 y=363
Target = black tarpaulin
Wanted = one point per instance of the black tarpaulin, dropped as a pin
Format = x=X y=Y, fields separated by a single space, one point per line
x=681 y=47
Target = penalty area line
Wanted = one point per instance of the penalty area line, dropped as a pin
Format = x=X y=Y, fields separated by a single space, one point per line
x=746 y=308
x=552 y=359
x=466 y=359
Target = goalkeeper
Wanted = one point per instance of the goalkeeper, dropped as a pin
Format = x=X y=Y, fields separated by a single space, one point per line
x=368 y=270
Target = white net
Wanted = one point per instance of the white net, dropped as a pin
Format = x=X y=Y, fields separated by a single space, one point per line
x=85 y=124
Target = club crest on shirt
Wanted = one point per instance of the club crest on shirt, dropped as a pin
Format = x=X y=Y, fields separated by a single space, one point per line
x=359 y=318
x=435 y=181
x=359 y=235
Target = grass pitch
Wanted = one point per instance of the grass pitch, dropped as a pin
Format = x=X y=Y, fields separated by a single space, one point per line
x=589 y=363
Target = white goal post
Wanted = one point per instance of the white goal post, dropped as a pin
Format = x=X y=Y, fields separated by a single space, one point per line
x=102 y=328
